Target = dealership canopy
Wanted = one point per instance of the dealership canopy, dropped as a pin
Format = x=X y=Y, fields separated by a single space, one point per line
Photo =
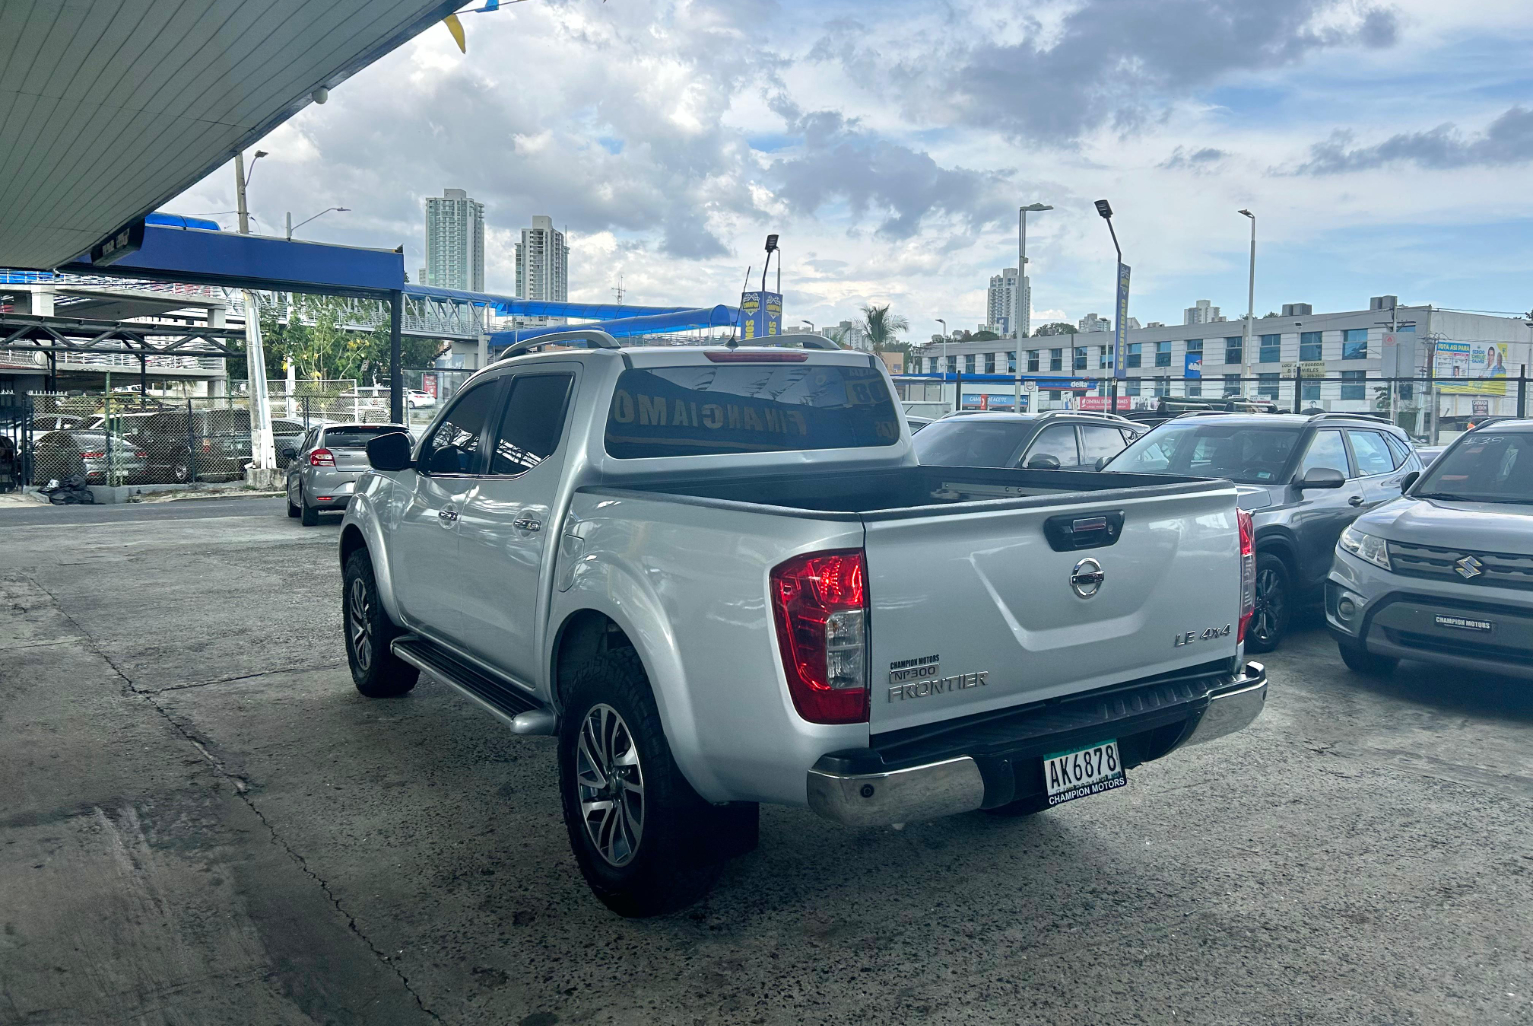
x=108 y=108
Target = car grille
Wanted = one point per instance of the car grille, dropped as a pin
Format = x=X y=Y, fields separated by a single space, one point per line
x=1495 y=569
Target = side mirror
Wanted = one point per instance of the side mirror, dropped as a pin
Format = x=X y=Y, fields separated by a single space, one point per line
x=1322 y=477
x=289 y=453
x=1043 y=461
x=1101 y=462
x=389 y=452
x=1408 y=480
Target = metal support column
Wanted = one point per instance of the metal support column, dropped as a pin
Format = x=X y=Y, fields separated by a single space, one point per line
x=1522 y=391
x=143 y=378
x=396 y=371
x=1298 y=386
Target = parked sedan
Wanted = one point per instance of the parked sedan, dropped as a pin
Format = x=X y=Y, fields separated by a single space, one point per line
x=93 y=454
x=323 y=469
x=1055 y=440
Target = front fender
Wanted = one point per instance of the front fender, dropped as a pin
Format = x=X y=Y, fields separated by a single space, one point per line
x=363 y=517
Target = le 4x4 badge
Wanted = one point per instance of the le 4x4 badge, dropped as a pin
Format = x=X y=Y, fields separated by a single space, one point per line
x=1208 y=634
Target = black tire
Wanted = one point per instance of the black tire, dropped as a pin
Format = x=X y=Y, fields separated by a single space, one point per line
x=181 y=470
x=1021 y=807
x=375 y=669
x=309 y=515
x=1361 y=661
x=1274 y=599
x=669 y=854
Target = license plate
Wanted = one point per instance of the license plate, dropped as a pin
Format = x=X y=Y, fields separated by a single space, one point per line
x=1464 y=623
x=1082 y=772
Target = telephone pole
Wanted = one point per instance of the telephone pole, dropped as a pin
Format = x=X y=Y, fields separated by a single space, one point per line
x=262 y=445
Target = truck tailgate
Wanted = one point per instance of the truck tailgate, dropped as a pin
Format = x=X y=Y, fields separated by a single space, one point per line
x=973 y=607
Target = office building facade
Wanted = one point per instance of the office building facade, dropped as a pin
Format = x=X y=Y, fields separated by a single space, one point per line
x=1008 y=311
x=542 y=262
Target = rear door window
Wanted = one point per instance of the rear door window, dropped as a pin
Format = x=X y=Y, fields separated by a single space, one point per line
x=714 y=409
x=532 y=424
x=1058 y=441
x=1098 y=440
x=1371 y=452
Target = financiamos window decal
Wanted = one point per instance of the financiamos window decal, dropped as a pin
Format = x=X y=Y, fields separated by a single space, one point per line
x=684 y=411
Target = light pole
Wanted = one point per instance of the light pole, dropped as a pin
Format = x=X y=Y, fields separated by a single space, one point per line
x=1245 y=343
x=1024 y=313
x=810 y=323
x=1120 y=315
x=291 y=227
x=940 y=321
x=262 y=449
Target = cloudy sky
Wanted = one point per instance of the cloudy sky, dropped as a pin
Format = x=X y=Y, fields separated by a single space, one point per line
x=1385 y=148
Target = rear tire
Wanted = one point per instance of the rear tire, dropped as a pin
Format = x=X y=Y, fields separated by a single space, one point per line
x=1274 y=596
x=309 y=515
x=645 y=842
x=1361 y=661
x=375 y=669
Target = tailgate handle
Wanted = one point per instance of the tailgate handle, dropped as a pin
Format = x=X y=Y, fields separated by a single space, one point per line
x=1071 y=531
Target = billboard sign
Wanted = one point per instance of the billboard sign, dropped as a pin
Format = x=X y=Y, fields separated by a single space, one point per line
x=428 y=385
x=1193 y=366
x=1120 y=324
x=1100 y=402
x=760 y=314
x=1470 y=368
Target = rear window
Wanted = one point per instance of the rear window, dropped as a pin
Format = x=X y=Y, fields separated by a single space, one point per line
x=744 y=407
x=357 y=437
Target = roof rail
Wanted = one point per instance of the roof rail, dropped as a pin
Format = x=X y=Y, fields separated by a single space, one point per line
x=1097 y=414
x=593 y=338
x=1339 y=415
x=803 y=339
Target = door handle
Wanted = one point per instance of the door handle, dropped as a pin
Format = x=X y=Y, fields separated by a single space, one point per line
x=448 y=516
x=1356 y=500
x=527 y=524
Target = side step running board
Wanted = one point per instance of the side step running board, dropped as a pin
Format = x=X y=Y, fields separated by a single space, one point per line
x=506 y=702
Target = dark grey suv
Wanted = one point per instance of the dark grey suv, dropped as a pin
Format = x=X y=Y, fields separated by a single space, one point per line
x=1053 y=440
x=1303 y=479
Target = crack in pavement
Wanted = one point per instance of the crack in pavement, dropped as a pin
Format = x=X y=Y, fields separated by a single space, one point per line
x=242 y=676
x=241 y=788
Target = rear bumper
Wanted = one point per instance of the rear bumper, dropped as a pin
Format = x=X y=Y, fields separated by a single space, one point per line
x=995 y=763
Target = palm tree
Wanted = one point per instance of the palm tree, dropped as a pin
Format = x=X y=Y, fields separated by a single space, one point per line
x=883 y=328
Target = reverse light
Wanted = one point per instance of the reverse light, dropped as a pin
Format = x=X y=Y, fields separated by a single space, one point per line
x=1366 y=546
x=820 y=602
x=321 y=458
x=1247 y=569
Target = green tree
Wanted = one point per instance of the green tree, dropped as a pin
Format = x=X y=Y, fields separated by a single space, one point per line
x=883 y=328
x=983 y=336
x=1055 y=328
x=321 y=347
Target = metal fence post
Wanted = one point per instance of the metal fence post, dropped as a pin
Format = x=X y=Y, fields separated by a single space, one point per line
x=1522 y=391
x=1298 y=385
x=191 y=443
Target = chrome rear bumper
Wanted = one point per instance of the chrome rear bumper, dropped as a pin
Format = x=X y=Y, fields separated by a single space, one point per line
x=956 y=784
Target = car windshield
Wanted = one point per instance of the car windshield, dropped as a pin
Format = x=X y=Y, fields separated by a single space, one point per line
x=356 y=437
x=966 y=442
x=1486 y=466
x=1243 y=453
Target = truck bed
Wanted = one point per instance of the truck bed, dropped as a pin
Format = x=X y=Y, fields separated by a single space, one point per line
x=884 y=494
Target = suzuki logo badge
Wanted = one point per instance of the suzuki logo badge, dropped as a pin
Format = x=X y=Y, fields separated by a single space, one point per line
x=1468 y=567
x=1087 y=577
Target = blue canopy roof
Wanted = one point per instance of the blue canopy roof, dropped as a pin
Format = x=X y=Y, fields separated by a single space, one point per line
x=627 y=327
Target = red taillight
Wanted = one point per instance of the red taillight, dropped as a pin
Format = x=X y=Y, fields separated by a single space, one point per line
x=820 y=601
x=732 y=356
x=321 y=458
x=93 y=455
x=1247 y=569
x=207 y=446
x=141 y=455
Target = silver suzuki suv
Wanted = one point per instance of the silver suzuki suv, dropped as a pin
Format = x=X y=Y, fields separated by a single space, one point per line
x=1445 y=572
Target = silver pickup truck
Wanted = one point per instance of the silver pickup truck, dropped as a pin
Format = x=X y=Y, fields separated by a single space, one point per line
x=721 y=578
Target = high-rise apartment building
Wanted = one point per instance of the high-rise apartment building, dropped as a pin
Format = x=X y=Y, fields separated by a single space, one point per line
x=1005 y=310
x=542 y=262
x=1091 y=322
x=454 y=242
x=1201 y=312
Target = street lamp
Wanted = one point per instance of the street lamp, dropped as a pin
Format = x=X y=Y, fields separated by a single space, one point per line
x=1120 y=306
x=291 y=227
x=1023 y=305
x=1245 y=344
x=808 y=322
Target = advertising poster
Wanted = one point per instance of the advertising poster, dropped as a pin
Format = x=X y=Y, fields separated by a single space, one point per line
x=1120 y=325
x=760 y=314
x=428 y=385
x=1470 y=368
x=1193 y=366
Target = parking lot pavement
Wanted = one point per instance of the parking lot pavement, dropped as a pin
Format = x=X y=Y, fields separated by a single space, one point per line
x=205 y=823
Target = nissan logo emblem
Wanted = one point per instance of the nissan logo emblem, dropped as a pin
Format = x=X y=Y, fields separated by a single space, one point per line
x=1087 y=577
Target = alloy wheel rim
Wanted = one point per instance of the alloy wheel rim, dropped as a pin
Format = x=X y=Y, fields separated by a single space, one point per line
x=360 y=624
x=609 y=784
x=1269 y=604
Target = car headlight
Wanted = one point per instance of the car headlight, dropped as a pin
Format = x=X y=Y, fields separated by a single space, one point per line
x=1366 y=546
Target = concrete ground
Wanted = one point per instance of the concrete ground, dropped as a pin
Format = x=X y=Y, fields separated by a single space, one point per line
x=203 y=823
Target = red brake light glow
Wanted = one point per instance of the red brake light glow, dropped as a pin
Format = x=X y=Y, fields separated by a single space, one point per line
x=820 y=602
x=1247 y=569
x=321 y=458
x=735 y=356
